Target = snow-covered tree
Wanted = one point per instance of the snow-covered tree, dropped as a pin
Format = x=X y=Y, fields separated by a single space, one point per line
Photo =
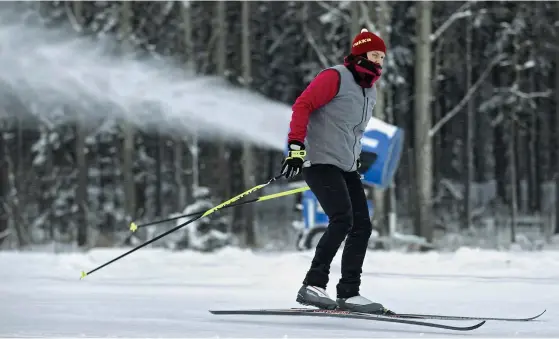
x=205 y=234
x=488 y=112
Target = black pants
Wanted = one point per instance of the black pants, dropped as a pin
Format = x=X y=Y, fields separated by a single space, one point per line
x=342 y=197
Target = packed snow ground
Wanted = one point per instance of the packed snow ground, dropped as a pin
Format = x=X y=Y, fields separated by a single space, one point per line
x=154 y=293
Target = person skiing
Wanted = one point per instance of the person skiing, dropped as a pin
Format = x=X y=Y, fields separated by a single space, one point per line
x=324 y=144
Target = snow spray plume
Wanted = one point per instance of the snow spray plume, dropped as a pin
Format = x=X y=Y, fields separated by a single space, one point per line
x=44 y=69
x=208 y=212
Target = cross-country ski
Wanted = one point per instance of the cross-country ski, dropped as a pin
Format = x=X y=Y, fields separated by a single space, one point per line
x=457 y=317
x=344 y=314
x=311 y=311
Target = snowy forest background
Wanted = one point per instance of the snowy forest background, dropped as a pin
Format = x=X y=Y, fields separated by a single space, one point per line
x=472 y=83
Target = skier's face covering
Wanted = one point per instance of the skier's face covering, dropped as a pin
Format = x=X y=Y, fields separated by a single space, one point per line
x=365 y=71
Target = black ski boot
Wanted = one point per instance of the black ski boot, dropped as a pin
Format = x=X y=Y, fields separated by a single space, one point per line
x=362 y=305
x=315 y=296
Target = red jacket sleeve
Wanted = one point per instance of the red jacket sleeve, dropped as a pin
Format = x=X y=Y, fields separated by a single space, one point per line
x=319 y=92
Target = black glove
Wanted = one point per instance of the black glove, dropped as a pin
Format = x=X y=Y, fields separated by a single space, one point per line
x=293 y=163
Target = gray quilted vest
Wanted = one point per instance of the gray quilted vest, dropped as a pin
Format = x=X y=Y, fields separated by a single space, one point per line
x=334 y=131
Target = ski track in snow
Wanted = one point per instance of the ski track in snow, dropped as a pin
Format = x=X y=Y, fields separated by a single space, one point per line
x=154 y=293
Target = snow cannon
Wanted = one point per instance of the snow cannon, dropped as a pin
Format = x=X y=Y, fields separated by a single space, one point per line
x=382 y=145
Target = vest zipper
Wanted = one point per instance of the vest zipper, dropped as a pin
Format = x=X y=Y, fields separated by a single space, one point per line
x=363 y=115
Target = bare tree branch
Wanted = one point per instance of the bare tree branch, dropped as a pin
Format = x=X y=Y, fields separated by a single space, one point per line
x=369 y=24
x=323 y=59
x=454 y=111
x=532 y=95
x=5 y=233
x=459 y=14
x=332 y=11
x=74 y=21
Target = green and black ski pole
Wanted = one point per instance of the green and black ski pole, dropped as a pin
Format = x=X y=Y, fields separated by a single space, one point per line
x=208 y=212
x=134 y=227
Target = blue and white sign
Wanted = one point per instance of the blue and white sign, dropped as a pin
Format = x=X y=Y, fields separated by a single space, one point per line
x=386 y=142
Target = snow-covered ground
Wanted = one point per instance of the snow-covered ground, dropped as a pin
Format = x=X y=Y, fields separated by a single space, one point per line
x=154 y=293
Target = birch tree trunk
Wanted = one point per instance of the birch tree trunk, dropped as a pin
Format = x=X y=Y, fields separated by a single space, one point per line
x=159 y=162
x=178 y=158
x=513 y=184
x=221 y=30
x=534 y=160
x=180 y=163
x=355 y=16
x=21 y=228
x=4 y=188
x=48 y=199
x=248 y=156
x=81 y=160
x=382 y=199
x=512 y=150
x=557 y=132
x=81 y=191
x=423 y=153
x=468 y=135
x=221 y=61
x=128 y=148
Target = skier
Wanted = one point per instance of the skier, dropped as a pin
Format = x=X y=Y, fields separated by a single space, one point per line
x=324 y=143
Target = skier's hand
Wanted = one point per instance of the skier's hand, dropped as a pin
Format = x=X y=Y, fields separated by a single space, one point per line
x=293 y=163
x=359 y=169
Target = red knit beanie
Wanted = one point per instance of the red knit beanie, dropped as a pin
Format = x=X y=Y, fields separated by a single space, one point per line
x=366 y=42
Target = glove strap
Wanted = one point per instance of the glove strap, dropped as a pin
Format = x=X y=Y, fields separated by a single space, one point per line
x=296 y=150
x=297 y=154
